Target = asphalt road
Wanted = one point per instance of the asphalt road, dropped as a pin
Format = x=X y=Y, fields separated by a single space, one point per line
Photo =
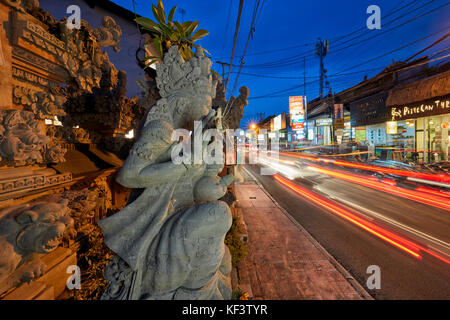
x=402 y=275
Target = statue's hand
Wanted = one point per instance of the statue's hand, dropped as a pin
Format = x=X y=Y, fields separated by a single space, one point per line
x=195 y=169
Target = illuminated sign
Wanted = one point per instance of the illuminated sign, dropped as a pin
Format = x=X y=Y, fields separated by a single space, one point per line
x=298 y=126
x=324 y=122
x=426 y=108
x=297 y=118
x=277 y=123
x=391 y=127
x=296 y=105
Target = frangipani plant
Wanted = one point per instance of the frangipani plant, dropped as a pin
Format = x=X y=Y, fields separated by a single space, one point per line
x=166 y=33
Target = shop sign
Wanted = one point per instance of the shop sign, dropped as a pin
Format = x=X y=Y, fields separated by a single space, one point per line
x=370 y=110
x=296 y=105
x=298 y=126
x=324 y=122
x=431 y=107
x=339 y=124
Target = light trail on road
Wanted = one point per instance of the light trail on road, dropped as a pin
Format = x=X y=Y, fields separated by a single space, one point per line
x=443 y=178
x=422 y=196
x=352 y=217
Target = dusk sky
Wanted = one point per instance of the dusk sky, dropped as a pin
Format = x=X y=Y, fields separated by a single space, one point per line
x=285 y=34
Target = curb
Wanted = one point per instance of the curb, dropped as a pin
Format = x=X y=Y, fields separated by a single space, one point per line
x=355 y=284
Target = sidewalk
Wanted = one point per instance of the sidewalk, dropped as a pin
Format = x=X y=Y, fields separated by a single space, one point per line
x=284 y=261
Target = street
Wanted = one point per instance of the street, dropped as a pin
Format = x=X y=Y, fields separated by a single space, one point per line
x=356 y=246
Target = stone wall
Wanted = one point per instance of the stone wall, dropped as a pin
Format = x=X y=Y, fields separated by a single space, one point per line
x=63 y=118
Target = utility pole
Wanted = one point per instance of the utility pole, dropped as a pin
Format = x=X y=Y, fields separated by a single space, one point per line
x=304 y=76
x=321 y=50
x=223 y=68
x=331 y=109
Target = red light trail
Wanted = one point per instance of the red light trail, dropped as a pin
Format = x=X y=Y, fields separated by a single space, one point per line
x=437 y=199
x=393 y=239
x=445 y=178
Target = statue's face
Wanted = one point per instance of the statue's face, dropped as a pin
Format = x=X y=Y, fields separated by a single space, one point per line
x=192 y=109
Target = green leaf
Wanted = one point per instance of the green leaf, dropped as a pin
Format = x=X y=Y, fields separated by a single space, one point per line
x=180 y=27
x=171 y=14
x=161 y=12
x=146 y=23
x=156 y=14
x=191 y=28
x=158 y=46
x=199 y=34
x=186 y=24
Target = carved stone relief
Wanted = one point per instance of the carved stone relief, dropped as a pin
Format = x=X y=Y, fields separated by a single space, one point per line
x=22 y=139
x=26 y=231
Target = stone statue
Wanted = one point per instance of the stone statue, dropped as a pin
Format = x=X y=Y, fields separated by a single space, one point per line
x=169 y=241
x=234 y=110
x=26 y=231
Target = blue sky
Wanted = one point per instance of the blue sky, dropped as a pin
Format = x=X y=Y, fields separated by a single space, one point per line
x=285 y=34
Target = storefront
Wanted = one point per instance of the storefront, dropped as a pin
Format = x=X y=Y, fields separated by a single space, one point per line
x=416 y=132
x=323 y=129
x=428 y=124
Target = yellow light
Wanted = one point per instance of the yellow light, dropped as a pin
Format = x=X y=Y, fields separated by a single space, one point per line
x=253 y=126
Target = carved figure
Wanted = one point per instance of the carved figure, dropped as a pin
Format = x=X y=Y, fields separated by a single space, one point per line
x=22 y=140
x=234 y=112
x=27 y=230
x=170 y=242
x=109 y=35
x=55 y=154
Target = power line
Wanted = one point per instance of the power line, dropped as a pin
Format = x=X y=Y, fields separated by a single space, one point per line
x=431 y=45
x=250 y=35
x=392 y=51
x=300 y=78
x=276 y=94
x=238 y=21
x=295 y=59
x=227 y=25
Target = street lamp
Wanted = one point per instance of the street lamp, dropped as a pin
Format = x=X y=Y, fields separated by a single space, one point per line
x=253 y=126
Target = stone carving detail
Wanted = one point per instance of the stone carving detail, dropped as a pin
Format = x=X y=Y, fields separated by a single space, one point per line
x=21 y=138
x=32 y=182
x=55 y=153
x=84 y=59
x=234 y=112
x=109 y=35
x=26 y=231
x=169 y=241
x=43 y=105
